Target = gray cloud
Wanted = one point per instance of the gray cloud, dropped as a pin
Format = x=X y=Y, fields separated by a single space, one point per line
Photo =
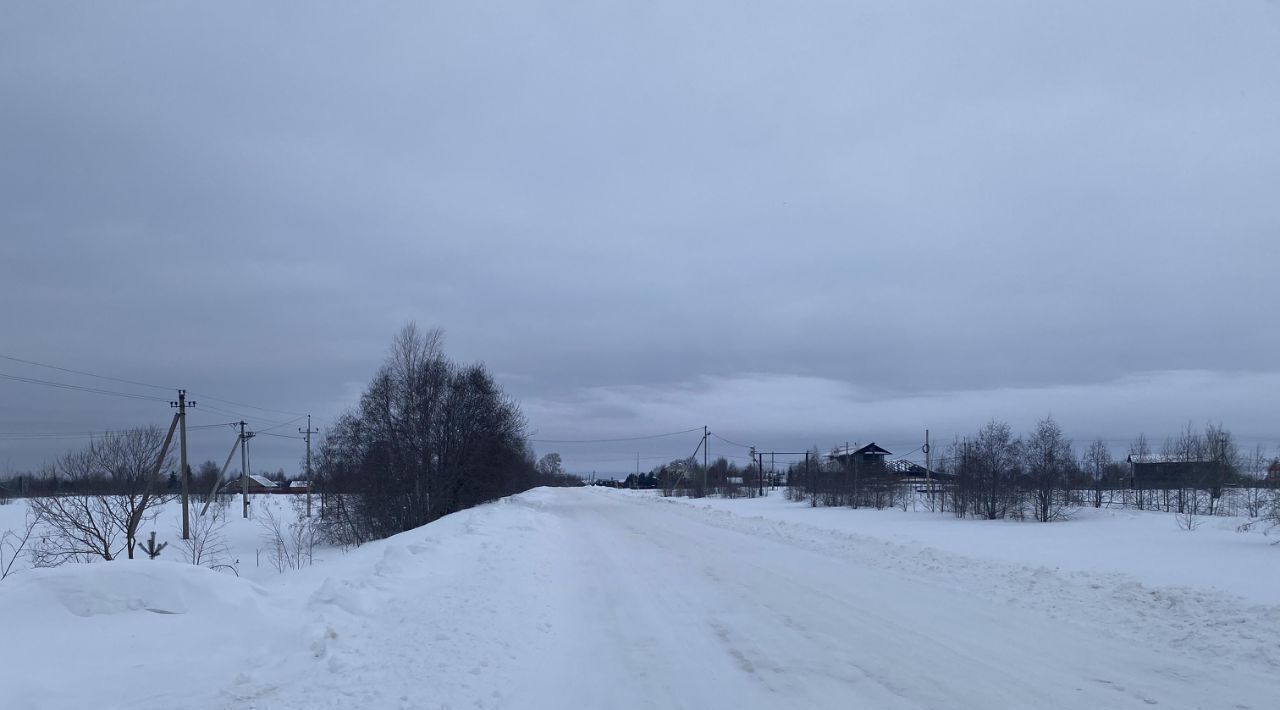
x=900 y=201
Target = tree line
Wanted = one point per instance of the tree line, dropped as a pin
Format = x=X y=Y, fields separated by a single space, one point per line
x=995 y=474
x=429 y=437
x=998 y=475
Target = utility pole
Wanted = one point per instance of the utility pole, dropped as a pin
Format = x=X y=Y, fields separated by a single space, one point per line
x=855 y=466
x=928 y=471
x=182 y=405
x=217 y=483
x=758 y=460
x=308 y=432
x=244 y=468
x=813 y=485
x=705 y=445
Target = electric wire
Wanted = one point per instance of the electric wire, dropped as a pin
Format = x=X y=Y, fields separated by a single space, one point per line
x=277 y=426
x=247 y=406
x=606 y=441
x=280 y=436
x=734 y=443
x=86 y=374
x=80 y=388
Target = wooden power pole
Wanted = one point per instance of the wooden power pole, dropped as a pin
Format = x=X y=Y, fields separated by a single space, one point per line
x=928 y=471
x=244 y=468
x=308 y=432
x=182 y=405
x=705 y=444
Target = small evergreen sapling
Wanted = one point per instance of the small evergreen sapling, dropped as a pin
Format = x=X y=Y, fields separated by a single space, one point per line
x=151 y=548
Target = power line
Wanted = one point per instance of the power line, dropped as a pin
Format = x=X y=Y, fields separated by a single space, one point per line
x=734 y=443
x=82 y=372
x=227 y=413
x=221 y=411
x=212 y=426
x=632 y=457
x=51 y=437
x=281 y=436
x=81 y=388
x=122 y=380
x=250 y=406
x=277 y=426
x=37 y=435
x=606 y=441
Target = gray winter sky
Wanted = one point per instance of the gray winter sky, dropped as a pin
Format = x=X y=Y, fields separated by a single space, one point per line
x=798 y=223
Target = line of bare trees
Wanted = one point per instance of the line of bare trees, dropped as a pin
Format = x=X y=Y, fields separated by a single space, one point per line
x=845 y=481
x=995 y=474
x=428 y=438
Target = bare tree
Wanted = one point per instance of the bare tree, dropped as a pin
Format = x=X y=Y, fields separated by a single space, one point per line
x=675 y=475
x=207 y=544
x=428 y=438
x=549 y=465
x=204 y=480
x=1096 y=463
x=1139 y=452
x=1256 y=497
x=1188 y=448
x=12 y=544
x=986 y=474
x=1269 y=505
x=1223 y=459
x=290 y=545
x=119 y=486
x=1048 y=463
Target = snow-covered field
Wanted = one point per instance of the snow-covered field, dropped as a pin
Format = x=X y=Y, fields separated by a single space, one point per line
x=593 y=598
x=246 y=545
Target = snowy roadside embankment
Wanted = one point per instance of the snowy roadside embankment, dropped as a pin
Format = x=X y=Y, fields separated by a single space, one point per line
x=92 y=635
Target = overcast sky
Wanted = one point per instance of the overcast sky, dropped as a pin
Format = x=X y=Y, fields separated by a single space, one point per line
x=797 y=223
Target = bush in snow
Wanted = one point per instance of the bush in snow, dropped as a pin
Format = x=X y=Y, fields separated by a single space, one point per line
x=118 y=487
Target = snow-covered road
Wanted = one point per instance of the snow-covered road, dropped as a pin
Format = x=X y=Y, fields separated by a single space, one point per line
x=593 y=599
x=589 y=598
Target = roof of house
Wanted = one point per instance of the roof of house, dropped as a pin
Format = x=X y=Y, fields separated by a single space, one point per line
x=871 y=449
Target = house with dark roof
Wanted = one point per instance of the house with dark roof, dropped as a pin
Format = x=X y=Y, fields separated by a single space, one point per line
x=1166 y=473
x=873 y=457
x=869 y=455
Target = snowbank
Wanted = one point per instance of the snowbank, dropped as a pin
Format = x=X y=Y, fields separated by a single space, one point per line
x=84 y=635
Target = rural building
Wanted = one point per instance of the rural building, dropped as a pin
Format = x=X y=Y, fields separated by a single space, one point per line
x=1153 y=473
x=256 y=484
x=869 y=455
x=908 y=469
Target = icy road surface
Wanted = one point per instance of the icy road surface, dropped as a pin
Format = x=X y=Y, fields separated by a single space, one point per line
x=585 y=598
x=588 y=598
